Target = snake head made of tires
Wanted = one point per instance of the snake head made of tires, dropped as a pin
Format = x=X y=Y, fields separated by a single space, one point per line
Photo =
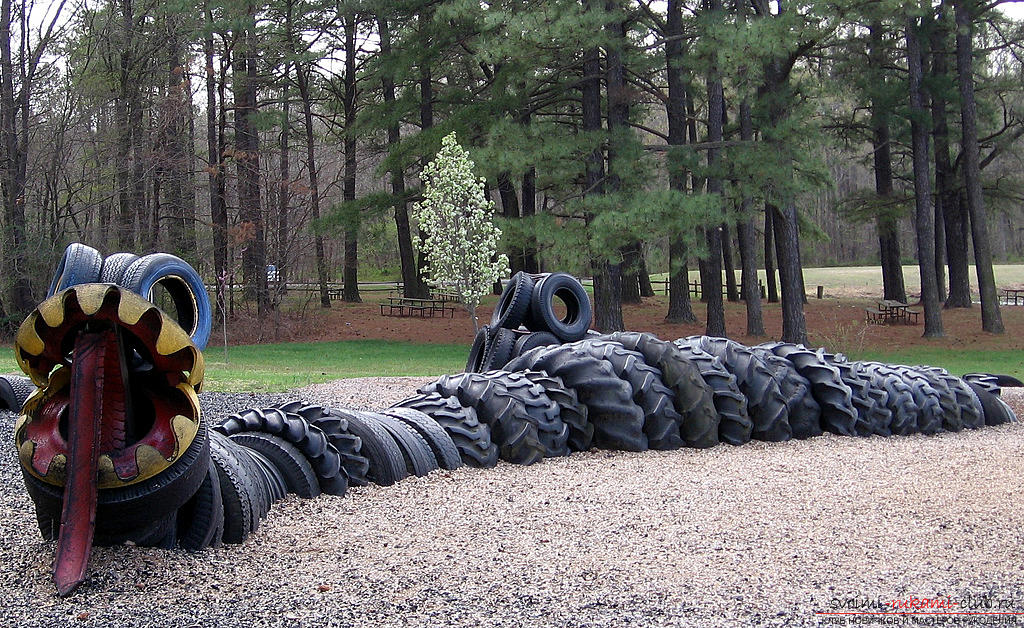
x=113 y=447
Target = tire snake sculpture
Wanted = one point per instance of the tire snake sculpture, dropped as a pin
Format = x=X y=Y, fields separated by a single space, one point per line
x=113 y=446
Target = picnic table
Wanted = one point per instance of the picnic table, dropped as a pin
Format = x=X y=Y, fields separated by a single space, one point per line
x=891 y=312
x=424 y=308
x=1013 y=296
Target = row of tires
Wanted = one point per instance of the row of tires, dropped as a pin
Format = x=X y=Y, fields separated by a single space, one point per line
x=632 y=391
x=82 y=264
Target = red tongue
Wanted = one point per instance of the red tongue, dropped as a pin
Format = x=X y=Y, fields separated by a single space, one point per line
x=93 y=352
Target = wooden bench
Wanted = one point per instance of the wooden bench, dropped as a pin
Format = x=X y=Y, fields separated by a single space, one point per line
x=912 y=316
x=424 y=308
x=874 y=316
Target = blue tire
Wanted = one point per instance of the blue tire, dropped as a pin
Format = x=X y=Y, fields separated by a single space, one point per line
x=80 y=264
x=182 y=283
x=115 y=265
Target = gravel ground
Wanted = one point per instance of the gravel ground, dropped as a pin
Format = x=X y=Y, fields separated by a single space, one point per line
x=764 y=534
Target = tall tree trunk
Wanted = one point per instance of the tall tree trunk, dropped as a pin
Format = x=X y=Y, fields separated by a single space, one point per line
x=530 y=263
x=351 y=293
x=745 y=237
x=284 y=187
x=175 y=127
x=947 y=197
x=769 y=254
x=885 y=222
x=646 y=289
x=991 y=319
x=713 y=234
x=922 y=187
x=608 y=279
x=413 y=287
x=302 y=74
x=214 y=144
x=19 y=297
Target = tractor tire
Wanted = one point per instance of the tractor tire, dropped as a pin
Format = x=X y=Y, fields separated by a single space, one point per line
x=441 y=444
x=735 y=426
x=832 y=394
x=471 y=437
x=996 y=412
x=572 y=412
x=899 y=398
x=804 y=411
x=418 y=458
x=618 y=421
x=387 y=464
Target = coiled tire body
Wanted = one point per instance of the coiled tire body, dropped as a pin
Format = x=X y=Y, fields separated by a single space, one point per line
x=832 y=394
x=735 y=426
x=471 y=437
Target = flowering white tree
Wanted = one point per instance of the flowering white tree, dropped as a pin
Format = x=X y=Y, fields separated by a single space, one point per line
x=461 y=239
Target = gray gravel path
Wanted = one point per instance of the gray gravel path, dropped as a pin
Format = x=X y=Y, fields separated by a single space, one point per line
x=764 y=534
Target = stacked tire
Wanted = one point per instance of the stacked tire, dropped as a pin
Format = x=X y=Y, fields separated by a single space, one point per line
x=527 y=316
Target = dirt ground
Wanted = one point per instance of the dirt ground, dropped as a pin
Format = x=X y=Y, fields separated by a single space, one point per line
x=836 y=323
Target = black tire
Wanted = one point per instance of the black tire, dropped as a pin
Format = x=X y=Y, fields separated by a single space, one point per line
x=238 y=491
x=471 y=437
x=182 y=283
x=995 y=410
x=618 y=422
x=570 y=291
x=201 y=520
x=551 y=429
x=441 y=444
x=114 y=266
x=952 y=419
x=873 y=415
x=833 y=395
x=354 y=464
x=987 y=381
x=804 y=411
x=899 y=398
x=263 y=497
x=298 y=474
x=930 y=412
x=499 y=350
x=662 y=424
x=531 y=340
x=79 y=264
x=572 y=412
x=514 y=429
x=514 y=302
x=307 y=438
x=694 y=399
x=14 y=390
x=477 y=353
x=766 y=404
x=126 y=514
x=735 y=426
x=972 y=415
x=419 y=459
x=387 y=465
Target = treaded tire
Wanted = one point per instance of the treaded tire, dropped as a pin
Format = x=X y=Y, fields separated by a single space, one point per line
x=572 y=412
x=832 y=394
x=735 y=426
x=128 y=513
x=238 y=490
x=930 y=412
x=184 y=286
x=531 y=340
x=873 y=415
x=262 y=498
x=766 y=404
x=298 y=474
x=662 y=424
x=570 y=291
x=79 y=264
x=114 y=266
x=499 y=350
x=201 y=520
x=899 y=399
x=972 y=415
x=515 y=425
x=987 y=381
x=294 y=428
x=694 y=399
x=471 y=437
x=419 y=460
x=353 y=463
x=441 y=444
x=514 y=303
x=387 y=465
x=551 y=429
x=14 y=390
x=952 y=420
x=804 y=411
x=618 y=421
x=278 y=487
x=996 y=411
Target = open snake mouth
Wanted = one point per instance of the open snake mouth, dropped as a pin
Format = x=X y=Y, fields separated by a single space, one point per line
x=115 y=410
